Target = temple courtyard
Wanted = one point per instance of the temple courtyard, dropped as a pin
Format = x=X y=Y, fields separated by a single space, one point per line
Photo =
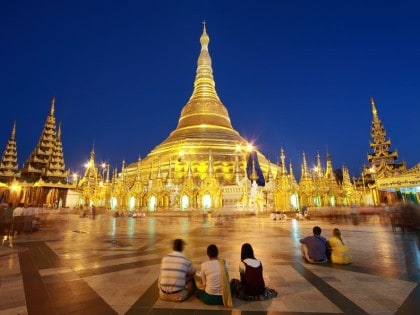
x=110 y=265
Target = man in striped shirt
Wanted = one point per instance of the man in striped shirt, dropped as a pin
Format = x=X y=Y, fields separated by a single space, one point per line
x=176 y=280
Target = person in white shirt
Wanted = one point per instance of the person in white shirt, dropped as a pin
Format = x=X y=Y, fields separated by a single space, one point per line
x=18 y=219
x=211 y=278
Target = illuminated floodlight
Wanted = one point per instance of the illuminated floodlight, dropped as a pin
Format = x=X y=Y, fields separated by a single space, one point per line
x=15 y=187
x=249 y=147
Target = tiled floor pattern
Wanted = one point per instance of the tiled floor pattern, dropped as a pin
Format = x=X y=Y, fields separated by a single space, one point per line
x=111 y=265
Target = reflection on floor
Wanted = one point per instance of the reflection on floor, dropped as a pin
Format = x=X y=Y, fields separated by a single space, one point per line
x=111 y=265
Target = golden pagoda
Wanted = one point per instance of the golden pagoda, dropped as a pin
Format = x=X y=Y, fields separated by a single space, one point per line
x=201 y=154
x=205 y=164
x=43 y=179
x=385 y=180
x=8 y=164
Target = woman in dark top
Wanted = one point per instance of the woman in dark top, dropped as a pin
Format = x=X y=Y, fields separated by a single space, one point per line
x=251 y=287
x=251 y=271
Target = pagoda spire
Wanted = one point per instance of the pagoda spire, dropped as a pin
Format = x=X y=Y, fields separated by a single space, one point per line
x=374 y=110
x=8 y=164
x=383 y=159
x=292 y=175
x=204 y=105
x=283 y=161
x=138 y=177
x=56 y=168
x=189 y=169
x=329 y=170
x=318 y=169
x=38 y=162
x=52 y=110
x=304 y=170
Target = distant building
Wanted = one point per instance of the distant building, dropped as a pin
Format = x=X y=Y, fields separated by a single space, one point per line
x=388 y=179
x=42 y=181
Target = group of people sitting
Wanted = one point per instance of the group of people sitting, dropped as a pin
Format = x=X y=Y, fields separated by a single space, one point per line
x=178 y=279
x=317 y=249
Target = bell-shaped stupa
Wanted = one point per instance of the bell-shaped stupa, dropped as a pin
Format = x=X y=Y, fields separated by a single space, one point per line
x=204 y=128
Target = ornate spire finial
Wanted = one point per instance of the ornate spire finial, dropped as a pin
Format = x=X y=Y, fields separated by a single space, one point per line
x=59 y=131
x=52 y=106
x=374 y=111
x=204 y=39
x=14 y=130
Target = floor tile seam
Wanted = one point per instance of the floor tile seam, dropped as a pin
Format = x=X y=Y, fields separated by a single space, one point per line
x=346 y=305
x=87 y=272
x=124 y=256
x=108 y=264
x=10 y=276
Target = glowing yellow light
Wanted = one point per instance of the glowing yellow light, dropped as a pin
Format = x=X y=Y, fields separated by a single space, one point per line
x=238 y=148
x=249 y=147
x=87 y=164
x=15 y=187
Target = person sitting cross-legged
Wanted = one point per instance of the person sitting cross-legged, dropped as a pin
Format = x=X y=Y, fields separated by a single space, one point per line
x=338 y=248
x=176 y=280
x=213 y=285
x=251 y=287
x=314 y=248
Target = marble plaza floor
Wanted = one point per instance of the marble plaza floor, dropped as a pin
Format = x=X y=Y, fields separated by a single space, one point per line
x=111 y=265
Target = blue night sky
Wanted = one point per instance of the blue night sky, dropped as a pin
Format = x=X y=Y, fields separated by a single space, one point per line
x=297 y=75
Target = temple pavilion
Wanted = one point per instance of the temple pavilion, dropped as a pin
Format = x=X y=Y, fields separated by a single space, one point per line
x=43 y=179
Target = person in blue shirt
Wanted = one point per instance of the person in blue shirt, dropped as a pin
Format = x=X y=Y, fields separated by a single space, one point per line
x=314 y=248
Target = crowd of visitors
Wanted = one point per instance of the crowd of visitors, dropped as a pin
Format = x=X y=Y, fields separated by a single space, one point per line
x=17 y=220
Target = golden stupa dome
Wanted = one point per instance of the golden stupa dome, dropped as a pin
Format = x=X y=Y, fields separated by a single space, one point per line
x=204 y=126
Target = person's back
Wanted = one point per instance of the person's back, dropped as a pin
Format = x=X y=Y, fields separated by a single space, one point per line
x=214 y=288
x=252 y=277
x=251 y=286
x=176 y=275
x=212 y=277
x=314 y=248
x=339 y=250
